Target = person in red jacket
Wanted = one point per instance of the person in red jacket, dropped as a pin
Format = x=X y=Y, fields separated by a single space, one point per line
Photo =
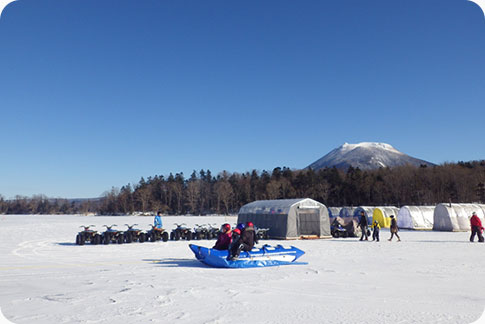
x=224 y=238
x=477 y=228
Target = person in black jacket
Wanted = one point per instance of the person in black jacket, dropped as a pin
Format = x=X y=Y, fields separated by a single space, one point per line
x=246 y=241
x=363 y=225
x=394 y=229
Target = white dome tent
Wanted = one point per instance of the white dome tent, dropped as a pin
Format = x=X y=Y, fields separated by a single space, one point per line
x=456 y=217
x=416 y=217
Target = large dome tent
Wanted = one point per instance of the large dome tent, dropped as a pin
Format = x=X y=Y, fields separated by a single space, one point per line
x=416 y=217
x=288 y=218
x=383 y=215
x=456 y=217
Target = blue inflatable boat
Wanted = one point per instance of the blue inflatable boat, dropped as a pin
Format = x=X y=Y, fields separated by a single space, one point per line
x=265 y=257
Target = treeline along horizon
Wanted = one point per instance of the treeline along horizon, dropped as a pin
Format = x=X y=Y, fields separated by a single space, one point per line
x=203 y=193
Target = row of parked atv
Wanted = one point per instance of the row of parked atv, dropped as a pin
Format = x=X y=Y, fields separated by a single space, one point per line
x=131 y=234
x=113 y=235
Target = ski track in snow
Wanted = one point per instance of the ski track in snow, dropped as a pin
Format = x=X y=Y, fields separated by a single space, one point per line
x=45 y=278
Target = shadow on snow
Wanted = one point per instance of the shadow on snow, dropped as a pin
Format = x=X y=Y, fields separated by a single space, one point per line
x=172 y=262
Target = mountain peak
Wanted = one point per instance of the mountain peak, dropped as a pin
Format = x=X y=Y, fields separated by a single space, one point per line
x=369 y=145
x=366 y=156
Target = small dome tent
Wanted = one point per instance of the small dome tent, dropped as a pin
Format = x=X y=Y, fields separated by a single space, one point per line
x=416 y=217
x=347 y=213
x=368 y=211
x=288 y=218
x=333 y=212
x=455 y=217
x=383 y=215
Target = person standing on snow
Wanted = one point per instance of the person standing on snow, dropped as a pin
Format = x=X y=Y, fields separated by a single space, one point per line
x=394 y=229
x=224 y=238
x=375 y=231
x=477 y=228
x=363 y=226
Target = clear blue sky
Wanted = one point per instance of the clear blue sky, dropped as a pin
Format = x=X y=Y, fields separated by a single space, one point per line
x=95 y=94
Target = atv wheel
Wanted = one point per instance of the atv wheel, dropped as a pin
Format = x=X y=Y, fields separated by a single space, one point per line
x=189 y=236
x=172 y=236
x=128 y=238
x=106 y=238
x=152 y=237
x=208 y=236
x=78 y=239
x=141 y=238
x=165 y=236
x=177 y=236
x=120 y=239
x=82 y=239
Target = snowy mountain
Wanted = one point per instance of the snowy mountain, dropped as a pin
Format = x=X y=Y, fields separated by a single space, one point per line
x=366 y=156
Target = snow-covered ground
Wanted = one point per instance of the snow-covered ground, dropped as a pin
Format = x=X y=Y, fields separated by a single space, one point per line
x=429 y=277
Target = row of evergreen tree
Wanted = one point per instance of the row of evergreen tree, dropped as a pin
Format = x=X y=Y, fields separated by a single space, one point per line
x=202 y=193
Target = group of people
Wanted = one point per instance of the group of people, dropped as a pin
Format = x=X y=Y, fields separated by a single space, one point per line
x=475 y=224
x=242 y=238
x=363 y=224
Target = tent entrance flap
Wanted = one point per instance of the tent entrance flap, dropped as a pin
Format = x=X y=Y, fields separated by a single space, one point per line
x=308 y=221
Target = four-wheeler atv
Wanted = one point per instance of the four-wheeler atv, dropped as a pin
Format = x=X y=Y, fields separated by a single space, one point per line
x=213 y=232
x=181 y=232
x=338 y=228
x=201 y=232
x=156 y=234
x=112 y=235
x=262 y=233
x=88 y=235
x=134 y=234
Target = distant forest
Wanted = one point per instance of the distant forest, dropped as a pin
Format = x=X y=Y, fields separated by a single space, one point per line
x=203 y=193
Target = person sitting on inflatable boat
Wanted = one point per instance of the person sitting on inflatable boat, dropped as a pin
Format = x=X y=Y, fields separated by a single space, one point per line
x=246 y=241
x=224 y=238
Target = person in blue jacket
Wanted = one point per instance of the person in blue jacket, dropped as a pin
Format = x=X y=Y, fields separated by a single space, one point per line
x=157 y=222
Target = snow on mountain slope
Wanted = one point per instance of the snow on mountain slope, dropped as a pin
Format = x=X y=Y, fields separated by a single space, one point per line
x=366 y=156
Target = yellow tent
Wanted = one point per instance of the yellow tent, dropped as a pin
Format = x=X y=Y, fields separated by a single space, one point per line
x=383 y=215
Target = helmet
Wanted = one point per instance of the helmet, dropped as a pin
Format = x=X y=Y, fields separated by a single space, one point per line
x=240 y=226
x=237 y=231
x=249 y=224
x=226 y=226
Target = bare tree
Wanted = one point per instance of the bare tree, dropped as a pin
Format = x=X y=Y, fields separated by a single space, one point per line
x=224 y=195
x=193 y=194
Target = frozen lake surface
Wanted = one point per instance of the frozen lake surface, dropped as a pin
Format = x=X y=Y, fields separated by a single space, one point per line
x=429 y=277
